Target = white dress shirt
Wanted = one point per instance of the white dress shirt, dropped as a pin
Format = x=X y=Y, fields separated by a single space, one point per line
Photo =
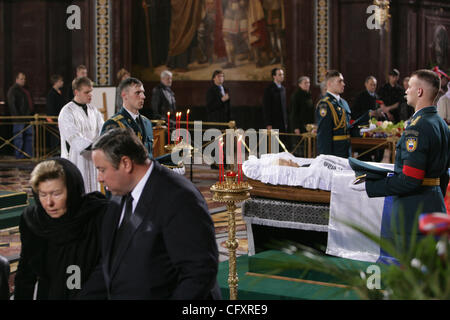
x=137 y=191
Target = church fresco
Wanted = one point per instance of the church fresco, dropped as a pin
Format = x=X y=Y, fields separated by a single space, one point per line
x=192 y=38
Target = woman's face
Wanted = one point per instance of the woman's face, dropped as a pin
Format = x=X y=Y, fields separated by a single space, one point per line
x=53 y=197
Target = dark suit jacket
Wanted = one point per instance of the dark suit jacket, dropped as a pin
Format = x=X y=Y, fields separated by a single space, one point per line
x=274 y=107
x=160 y=104
x=170 y=250
x=363 y=103
x=218 y=111
x=55 y=102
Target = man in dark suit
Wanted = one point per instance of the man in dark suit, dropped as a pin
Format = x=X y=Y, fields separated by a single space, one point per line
x=392 y=95
x=158 y=240
x=274 y=105
x=163 y=98
x=365 y=107
x=218 y=99
x=55 y=102
x=366 y=101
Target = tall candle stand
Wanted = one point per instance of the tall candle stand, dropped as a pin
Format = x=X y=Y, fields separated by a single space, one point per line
x=230 y=192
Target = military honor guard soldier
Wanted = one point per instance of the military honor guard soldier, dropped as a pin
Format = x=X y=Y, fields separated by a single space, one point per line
x=420 y=177
x=133 y=94
x=333 y=119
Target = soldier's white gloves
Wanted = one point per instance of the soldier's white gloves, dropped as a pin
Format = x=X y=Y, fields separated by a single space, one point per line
x=358 y=187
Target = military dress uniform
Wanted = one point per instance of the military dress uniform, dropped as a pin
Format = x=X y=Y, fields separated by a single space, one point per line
x=333 y=126
x=421 y=163
x=142 y=127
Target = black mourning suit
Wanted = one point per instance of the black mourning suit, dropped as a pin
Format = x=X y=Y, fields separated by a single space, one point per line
x=218 y=111
x=169 y=250
x=274 y=107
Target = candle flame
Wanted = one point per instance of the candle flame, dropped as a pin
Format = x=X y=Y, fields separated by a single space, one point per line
x=168 y=113
x=188 y=110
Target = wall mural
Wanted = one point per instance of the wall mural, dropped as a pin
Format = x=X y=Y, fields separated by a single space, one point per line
x=192 y=38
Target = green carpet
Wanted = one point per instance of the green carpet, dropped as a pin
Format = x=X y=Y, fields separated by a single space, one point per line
x=260 y=279
x=12 y=205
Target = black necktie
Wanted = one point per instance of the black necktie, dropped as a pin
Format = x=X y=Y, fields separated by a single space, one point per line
x=140 y=124
x=128 y=201
x=128 y=210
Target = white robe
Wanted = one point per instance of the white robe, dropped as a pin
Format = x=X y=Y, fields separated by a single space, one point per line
x=80 y=130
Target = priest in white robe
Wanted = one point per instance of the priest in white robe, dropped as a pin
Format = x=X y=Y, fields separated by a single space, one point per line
x=80 y=124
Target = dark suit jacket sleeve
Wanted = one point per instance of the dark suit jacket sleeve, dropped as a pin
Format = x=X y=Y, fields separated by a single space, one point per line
x=50 y=107
x=213 y=100
x=12 y=100
x=267 y=107
x=357 y=109
x=95 y=287
x=156 y=101
x=294 y=112
x=25 y=279
x=190 y=239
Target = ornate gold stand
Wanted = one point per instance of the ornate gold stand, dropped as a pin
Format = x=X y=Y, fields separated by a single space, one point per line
x=230 y=192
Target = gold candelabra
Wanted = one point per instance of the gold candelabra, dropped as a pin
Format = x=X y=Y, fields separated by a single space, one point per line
x=230 y=192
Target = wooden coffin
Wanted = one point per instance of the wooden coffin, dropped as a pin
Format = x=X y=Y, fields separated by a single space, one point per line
x=288 y=192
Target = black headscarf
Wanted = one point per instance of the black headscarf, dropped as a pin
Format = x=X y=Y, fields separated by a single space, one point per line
x=72 y=239
x=80 y=208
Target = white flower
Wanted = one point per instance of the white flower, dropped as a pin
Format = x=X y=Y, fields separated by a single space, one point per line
x=441 y=247
x=415 y=263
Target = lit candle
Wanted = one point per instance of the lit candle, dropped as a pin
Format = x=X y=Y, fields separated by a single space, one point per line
x=178 y=126
x=168 y=127
x=221 y=171
x=187 y=126
x=239 y=159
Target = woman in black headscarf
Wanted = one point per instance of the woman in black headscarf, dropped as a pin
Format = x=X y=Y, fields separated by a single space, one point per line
x=60 y=233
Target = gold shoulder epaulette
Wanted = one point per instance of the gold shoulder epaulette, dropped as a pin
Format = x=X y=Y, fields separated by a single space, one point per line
x=117 y=118
x=414 y=122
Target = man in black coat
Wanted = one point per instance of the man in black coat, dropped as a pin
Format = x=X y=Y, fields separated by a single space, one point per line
x=158 y=240
x=55 y=102
x=392 y=94
x=274 y=105
x=20 y=103
x=218 y=99
x=163 y=98
x=366 y=101
x=301 y=107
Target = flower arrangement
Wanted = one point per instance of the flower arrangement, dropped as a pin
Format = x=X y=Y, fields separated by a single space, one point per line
x=383 y=129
